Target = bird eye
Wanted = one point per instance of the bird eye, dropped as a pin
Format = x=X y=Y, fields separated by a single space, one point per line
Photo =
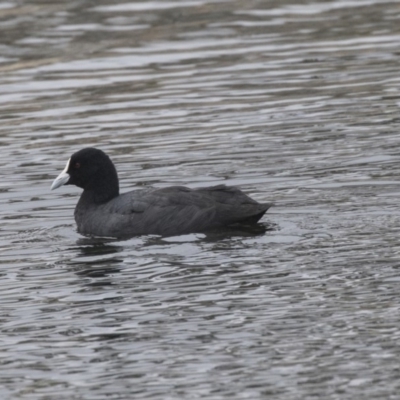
x=77 y=165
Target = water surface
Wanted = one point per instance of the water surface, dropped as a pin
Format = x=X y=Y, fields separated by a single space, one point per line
x=295 y=102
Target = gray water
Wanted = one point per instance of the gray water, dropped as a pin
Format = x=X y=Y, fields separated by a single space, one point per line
x=296 y=102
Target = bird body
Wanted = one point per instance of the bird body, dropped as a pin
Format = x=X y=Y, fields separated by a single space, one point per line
x=175 y=210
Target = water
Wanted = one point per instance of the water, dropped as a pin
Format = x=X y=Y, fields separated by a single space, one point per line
x=295 y=102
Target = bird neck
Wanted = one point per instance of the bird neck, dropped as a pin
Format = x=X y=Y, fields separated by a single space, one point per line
x=103 y=187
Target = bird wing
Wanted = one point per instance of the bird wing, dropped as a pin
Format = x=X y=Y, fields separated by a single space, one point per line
x=178 y=209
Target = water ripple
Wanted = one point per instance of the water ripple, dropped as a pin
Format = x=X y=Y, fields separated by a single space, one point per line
x=298 y=105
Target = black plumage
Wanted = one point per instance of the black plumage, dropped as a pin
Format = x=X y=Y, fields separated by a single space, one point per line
x=102 y=211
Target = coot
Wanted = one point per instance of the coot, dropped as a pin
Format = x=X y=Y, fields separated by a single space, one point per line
x=175 y=210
